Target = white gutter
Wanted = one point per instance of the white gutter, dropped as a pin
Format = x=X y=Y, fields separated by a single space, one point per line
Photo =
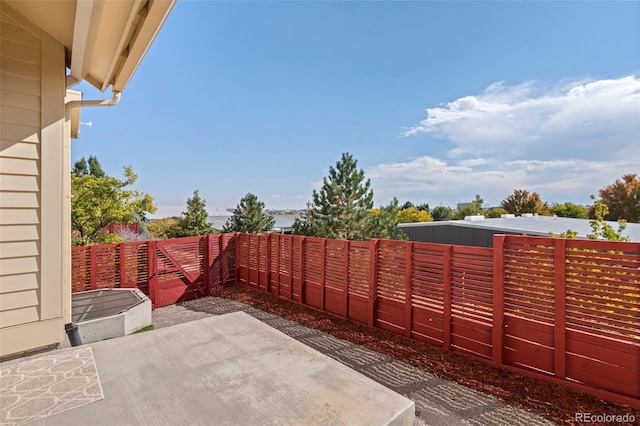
x=93 y=103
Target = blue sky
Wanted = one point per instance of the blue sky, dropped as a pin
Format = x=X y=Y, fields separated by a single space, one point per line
x=438 y=101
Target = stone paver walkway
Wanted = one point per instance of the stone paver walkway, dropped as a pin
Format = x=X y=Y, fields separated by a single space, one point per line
x=438 y=401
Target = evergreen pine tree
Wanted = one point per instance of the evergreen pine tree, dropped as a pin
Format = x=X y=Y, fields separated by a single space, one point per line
x=250 y=217
x=194 y=220
x=341 y=208
x=95 y=169
x=92 y=167
x=80 y=168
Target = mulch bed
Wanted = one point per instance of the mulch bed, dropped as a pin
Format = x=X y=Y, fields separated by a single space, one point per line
x=556 y=402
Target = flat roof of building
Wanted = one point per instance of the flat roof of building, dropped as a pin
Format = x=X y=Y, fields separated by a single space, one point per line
x=532 y=225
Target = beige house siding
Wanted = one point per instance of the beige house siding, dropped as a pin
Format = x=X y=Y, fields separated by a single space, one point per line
x=33 y=186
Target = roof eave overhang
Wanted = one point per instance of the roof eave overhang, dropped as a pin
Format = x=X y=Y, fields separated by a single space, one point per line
x=85 y=31
x=150 y=19
x=92 y=23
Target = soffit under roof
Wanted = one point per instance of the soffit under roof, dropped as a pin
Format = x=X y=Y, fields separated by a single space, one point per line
x=105 y=39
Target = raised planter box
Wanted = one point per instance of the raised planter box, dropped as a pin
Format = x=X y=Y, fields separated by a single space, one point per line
x=108 y=313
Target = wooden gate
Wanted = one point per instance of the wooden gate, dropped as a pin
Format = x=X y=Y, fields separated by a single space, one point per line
x=180 y=272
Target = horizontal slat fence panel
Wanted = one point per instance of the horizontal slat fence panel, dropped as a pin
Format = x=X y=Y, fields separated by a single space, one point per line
x=564 y=310
x=136 y=274
x=168 y=271
x=107 y=258
x=313 y=283
x=358 y=280
x=471 y=300
x=242 y=258
x=81 y=267
x=427 y=292
x=571 y=312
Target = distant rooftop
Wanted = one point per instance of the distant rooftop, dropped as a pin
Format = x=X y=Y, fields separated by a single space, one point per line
x=532 y=225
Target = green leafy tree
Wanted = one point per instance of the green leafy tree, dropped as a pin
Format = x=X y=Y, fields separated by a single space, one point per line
x=622 y=199
x=250 y=217
x=495 y=212
x=569 y=233
x=473 y=208
x=163 y=228
x=569 y=210
x=440 y=213
x=340 y=209
x=601 y=229
x=522 y=201
x=98 y=201
x=193 y=221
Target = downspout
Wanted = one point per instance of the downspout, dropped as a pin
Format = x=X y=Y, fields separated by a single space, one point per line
x=71 y=328
x=93 y=103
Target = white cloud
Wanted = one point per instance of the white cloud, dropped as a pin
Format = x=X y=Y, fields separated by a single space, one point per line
x=436 y=181
x=564 y=142
x=587 y=119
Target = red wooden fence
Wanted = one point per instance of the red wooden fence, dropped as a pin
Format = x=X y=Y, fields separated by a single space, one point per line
x=570 y=310
x=566 y=311
x=168 y=271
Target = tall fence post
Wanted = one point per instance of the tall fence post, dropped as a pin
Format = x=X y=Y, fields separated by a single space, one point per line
x=236 y=258
x=497 y=338
x=222 y=258
x=373 y=276
x=93 y=276
x=267 y=263
x=122 y=263
x=446 y=297
x=301 y=262
x=257 y=256
x=206 y=265
x=247 y=259
x=560 y=309
x=323 y=261
x=290 y=237
x=152 y=272
x=278 y=251
x=345 y=274
x=407 y=288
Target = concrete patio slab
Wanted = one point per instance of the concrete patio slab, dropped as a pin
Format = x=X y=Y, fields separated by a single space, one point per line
x=229 y=369
x=439 y=401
